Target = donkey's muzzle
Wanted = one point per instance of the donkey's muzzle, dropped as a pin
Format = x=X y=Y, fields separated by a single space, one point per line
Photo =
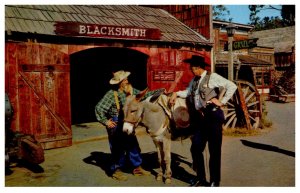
x=128 y=128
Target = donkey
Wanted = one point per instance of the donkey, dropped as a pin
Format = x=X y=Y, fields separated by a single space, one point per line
x=156 y=120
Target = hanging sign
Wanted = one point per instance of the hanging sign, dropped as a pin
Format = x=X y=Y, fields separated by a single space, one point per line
x=244 y=44
x=94 y=30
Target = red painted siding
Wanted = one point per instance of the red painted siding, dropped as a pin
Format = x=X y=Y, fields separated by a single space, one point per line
x=37 y=80
x=196 y=17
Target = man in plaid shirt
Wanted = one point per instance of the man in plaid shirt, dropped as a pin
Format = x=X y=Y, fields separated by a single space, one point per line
x=109 y=113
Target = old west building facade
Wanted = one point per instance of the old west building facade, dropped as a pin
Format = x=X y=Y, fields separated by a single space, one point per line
x=59 y=59
x=283 y=42
x=194 y=16
x=259 y=59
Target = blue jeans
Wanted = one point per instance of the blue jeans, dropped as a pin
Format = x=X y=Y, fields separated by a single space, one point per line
x=122 y=146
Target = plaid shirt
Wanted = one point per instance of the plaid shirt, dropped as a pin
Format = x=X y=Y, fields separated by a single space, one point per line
x=107 y=108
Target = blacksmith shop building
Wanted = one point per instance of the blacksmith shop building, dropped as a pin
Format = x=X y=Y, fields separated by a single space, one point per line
x=60 y=58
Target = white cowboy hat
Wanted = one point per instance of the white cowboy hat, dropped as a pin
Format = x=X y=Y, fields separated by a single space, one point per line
x=119 y=76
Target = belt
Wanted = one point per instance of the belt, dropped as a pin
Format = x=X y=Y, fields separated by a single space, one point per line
x=211 y=107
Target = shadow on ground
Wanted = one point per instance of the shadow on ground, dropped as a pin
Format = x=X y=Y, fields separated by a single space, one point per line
x=103 y=160
x=35 y=168
x=267 y=147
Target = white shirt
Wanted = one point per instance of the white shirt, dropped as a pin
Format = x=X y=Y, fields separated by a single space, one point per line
x=215 y=81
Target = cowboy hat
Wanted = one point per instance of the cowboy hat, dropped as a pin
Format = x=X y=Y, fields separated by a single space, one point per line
x=119 y=76
x=196 y=61
x=181 y=117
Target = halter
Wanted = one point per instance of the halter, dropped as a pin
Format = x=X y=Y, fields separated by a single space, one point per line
x=163 y=127
x=135 y=123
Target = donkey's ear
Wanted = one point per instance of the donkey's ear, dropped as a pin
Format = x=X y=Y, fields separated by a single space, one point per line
x=139 y=96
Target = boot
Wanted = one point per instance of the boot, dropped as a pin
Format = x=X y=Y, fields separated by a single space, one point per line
x=139 y=171
x=119 y=175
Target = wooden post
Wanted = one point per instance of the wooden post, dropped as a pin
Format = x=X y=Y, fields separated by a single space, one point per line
x=230 y=59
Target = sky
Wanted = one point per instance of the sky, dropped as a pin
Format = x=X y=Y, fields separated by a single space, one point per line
x=240 y=13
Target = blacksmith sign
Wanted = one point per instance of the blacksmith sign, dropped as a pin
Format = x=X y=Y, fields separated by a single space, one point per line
x=94 y=30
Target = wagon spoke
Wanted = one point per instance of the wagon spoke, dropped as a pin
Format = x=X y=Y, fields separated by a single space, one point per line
x=229 y=121
x=245 y=91
x=229 y=114
x=228 y=103
x=253 y=111
x=249 y=97
x=229 y=109
x=252 y=118
x=236 y=99
x=234 y=122
x=253 y=103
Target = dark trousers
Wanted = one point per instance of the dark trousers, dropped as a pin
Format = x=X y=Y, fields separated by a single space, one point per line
x=123 y=147
x=208 y=130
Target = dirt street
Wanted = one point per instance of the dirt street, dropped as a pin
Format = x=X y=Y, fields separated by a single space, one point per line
x=266 y=160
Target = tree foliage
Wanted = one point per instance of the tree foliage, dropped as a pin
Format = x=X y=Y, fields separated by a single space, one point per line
x=254 y=10
x=287 y=14
x=220 y=12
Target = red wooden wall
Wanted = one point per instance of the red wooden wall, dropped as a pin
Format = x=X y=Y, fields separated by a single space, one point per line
x=37 y=80
x=196 y=17
x=166 y=69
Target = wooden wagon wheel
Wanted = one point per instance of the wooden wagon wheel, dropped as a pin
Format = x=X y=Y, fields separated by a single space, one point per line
x=244 y=108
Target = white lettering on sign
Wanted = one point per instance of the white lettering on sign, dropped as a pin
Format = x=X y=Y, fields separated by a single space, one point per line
x=82 y=29
x=111 y=31
x=95 y=30
x=165 y=75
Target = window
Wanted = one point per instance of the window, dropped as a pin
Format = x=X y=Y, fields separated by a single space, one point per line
x=259 y=80
x=223 y=45
x=267 y=78
x=263 y=78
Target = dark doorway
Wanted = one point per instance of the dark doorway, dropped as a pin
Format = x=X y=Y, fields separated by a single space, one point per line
x=91 y=71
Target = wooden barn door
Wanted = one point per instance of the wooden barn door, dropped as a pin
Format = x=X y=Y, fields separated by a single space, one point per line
x=41 y=98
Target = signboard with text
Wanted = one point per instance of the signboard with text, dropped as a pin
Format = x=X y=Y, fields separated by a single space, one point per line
x=166 y=75
x=94 y=30
x=242 y=44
